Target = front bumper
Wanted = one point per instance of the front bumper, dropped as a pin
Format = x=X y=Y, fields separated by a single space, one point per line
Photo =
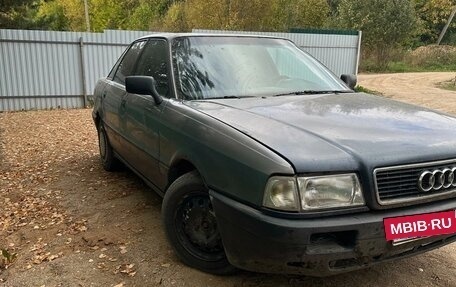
x=315 y=246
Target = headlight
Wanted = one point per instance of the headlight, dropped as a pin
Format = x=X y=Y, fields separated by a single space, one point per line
x=281 y=193
x=288 y=193
x=322 y=192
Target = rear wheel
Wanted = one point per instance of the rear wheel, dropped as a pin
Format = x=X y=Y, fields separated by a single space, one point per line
x=108 y=160
x=191 y=226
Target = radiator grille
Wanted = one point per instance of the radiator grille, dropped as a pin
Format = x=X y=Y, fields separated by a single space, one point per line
x=400 y=183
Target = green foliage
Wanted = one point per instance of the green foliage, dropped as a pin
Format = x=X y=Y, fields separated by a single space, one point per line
x=103 y=14
x=386 y=24
x=433 y=57
x=51 y=16
x=18 y=14
x=423 y=59
x=175 y=19
x=404 y=67
x=298 y=14
x=433 y=15
x=73 y=11
x=107 y=14
x=11 y=9
x=255 y=15
x=449 y=85
x=147 y=15
x=361 y=89
x=333 y=6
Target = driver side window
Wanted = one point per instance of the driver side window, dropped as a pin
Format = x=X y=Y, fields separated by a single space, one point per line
x=154 y=63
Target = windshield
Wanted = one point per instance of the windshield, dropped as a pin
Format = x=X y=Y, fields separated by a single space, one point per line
x=223 y=67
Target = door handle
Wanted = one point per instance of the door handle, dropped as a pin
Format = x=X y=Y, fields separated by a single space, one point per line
x=122 y=103
x=104 y=95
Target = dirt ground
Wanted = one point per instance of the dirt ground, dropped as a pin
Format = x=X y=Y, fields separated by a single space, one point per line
x=73 y=224
x=417 y=88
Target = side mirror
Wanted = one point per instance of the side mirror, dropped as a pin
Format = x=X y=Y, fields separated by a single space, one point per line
x=350 y=80
x=143 y=85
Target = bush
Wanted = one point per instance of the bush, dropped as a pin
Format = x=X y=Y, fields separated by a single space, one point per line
x=370 y=64
x=433 y=57
x=423 y=59
x=386 y=24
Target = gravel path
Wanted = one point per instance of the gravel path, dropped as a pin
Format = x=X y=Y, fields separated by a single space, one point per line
x=73 y=224
x=417 y=88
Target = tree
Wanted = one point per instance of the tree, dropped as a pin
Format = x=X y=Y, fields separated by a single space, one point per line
x=51 y=16
x=171 y=15
x=175 y=18
x=17 y=14
x=386 y=24
x=433 y=15
x=257 y=15
x=333 y=5
x=103 y=14
x=147 y=15
x=286 y=14
x=109 y=14
x=73 y=11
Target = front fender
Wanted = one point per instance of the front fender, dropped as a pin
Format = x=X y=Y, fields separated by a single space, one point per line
x=229 y=161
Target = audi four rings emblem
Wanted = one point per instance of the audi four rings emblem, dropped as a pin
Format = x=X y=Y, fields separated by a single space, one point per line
x=437 y=179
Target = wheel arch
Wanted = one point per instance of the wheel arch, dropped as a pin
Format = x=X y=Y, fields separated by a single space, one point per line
x=96 y=118
x=179 y=167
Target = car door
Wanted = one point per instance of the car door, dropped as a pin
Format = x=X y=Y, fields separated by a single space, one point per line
x=143 y=114
x=114 y=98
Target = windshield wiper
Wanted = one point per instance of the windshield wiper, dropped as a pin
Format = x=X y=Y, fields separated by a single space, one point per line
x=228 y=97
x=224 y=97
x=312 y=92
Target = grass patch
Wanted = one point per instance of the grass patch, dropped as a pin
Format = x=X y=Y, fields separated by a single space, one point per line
x=403 y=67
x=430 y=58
x=361 y=89
x=448 y=85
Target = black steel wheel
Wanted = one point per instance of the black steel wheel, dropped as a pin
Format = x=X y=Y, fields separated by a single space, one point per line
x=191 y=225
x=109 y=161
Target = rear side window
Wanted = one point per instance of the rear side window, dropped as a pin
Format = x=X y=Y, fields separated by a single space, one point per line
x=127 y=65
x=154 y=63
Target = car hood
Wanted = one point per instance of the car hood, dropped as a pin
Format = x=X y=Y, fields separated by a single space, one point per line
x=339 y=132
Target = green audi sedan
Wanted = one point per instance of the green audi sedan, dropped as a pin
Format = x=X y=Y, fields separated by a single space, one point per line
x=268 y=162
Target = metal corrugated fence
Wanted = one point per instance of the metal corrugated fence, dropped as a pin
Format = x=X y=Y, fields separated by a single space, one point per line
x=337 y=50
x=49 y=69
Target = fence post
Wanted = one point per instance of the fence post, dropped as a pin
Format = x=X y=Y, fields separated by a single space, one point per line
x=84 y=84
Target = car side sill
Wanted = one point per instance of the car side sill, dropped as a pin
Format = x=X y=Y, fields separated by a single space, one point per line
x=148 y=182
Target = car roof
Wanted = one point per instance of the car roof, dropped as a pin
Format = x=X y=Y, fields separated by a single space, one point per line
x=177 y=35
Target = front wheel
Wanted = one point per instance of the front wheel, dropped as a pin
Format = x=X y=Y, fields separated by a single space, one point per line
x=191 y=226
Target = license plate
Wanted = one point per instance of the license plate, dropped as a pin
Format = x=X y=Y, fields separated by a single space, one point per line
x=404 y=229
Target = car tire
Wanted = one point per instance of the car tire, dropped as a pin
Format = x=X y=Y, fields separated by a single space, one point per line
x=108 y=160
x=191 y=227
